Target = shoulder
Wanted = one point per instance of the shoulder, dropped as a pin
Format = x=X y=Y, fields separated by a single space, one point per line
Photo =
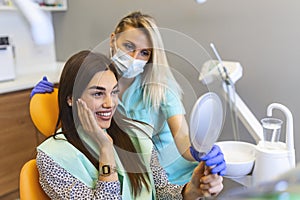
x=63 y=153
x=58 y=146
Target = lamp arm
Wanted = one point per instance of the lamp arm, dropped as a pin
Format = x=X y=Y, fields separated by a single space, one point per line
x=40 y=21
x=230 y=73
x=246 y=116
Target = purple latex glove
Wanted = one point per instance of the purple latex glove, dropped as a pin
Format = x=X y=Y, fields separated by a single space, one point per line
x=213 y=158
x=44 y=86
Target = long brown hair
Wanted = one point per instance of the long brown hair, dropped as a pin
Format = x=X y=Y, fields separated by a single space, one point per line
x=77 y=73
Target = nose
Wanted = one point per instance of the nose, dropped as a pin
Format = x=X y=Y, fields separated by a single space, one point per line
x=134 y=54
x=108 y=102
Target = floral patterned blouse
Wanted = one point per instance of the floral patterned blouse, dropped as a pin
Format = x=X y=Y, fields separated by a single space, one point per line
x=60 y=184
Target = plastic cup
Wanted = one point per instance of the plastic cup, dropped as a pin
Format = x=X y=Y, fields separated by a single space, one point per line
x=271 y=130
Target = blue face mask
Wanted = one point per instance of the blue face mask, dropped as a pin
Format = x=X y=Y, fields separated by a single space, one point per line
x=127 y=66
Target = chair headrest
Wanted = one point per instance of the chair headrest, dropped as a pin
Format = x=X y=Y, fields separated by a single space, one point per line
x=44 y=111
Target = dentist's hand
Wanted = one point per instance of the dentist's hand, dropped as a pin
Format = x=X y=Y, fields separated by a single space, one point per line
x=44 y=86
x=214 y=159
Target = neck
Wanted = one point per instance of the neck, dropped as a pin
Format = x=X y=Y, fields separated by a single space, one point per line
x=124 y=83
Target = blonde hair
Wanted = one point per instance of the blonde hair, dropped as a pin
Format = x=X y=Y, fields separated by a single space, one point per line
x=157 y=77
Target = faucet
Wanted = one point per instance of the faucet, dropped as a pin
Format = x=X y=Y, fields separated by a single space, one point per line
x=289 y=123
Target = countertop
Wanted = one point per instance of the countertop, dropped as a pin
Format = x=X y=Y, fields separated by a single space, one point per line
x=30 y=79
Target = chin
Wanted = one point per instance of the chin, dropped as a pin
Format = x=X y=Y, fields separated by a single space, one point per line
x=104 y=124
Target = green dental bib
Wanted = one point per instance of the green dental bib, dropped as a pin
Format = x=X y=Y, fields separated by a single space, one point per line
x=77 y=164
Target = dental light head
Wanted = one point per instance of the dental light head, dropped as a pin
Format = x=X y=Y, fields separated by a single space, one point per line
x=40 y=21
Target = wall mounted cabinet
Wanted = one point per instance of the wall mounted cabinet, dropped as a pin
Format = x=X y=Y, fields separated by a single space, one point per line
x=60 y=5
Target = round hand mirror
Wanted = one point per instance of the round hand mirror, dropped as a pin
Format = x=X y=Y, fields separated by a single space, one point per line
x=206 y=121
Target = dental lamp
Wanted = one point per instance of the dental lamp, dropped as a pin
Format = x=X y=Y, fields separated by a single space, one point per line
x=200 y=1
x=40 y=21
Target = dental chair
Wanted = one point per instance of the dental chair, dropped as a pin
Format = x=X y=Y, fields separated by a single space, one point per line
x=30 y=188
x=43 y=110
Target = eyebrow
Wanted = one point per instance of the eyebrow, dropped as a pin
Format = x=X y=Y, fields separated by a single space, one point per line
x=100 y=88
x=146 y=48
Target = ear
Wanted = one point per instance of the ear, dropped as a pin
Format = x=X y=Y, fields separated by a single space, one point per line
x=69 y=101
x=112 y=40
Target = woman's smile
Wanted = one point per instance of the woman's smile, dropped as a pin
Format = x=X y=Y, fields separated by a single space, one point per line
x=104 y=115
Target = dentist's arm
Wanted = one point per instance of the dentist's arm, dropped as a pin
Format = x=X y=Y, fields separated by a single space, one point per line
x=180 y=132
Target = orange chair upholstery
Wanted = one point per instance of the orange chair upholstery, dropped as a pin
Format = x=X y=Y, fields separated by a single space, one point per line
x=44 y=112
x=30 y=188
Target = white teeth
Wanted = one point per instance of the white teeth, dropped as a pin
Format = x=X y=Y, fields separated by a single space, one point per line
x=106 y=114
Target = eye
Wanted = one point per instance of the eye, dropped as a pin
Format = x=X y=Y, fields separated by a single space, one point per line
x=115 y=92
x=145 y=53
x=129 y=47
x=98 y=94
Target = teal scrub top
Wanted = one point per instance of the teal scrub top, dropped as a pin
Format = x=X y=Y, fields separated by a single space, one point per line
x=178 y=169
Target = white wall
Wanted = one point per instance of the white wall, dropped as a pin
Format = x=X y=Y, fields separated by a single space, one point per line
x=29 y=57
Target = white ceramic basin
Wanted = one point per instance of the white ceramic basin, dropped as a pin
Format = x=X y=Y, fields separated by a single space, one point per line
x=239 y=157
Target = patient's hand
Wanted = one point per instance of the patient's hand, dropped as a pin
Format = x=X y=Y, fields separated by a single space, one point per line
x=91 y=127
x=203 y=183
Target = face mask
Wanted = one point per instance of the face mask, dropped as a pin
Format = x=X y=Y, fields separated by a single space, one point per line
x=127 y=66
